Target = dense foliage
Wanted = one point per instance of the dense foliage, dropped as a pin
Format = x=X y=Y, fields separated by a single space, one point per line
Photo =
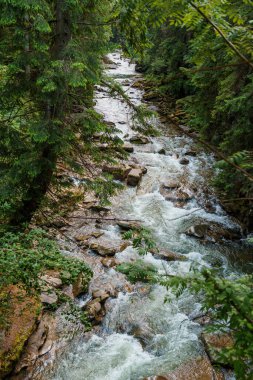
x=202 y=56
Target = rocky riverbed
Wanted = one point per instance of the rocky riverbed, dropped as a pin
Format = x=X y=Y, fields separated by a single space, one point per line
x=135 y=335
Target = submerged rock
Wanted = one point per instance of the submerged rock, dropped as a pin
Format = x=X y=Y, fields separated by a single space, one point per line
x=212 y=232
x=184 y=161
x=192 y=153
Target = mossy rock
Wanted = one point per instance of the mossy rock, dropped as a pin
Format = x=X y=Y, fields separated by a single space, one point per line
x=19 y=319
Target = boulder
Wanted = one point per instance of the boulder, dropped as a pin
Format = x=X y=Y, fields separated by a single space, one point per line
x=68 y=291
x=79 y=286
x=97 y=234
x=111 y=66
x=128 y=147
x=20 y=323
x=192 y=153
x=52 y=279
x=99 y=208
x=168 y=255
x=181 y=196
x=100 y=294
x=118 y=172
x=93 y=307
x=212 y=232
x=106 y=247
x=169 y=193
x=109 y=262
x=198 y=231
x=171 y=185
x=214 y=343
x=161 y=151
x=198 y=369
x=139 y=140
x=40 y=343
x=49 y=298
x=134 y=177
x=128 y=225
x=184 y=161
x=108 y=61
x=82 y=238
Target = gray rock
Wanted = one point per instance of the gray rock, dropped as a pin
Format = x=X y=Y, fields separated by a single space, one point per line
x=109 y=262
x=55 y=282
x=128 y=147
x=171 y=185
x=101 y=294
x=168 y=255
x=139 y=140
x=128 y=225
x=103 y=249
x=48 y=298
x=134 y=177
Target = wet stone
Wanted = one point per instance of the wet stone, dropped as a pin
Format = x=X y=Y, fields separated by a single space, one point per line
x=198 y=369
x=191 y=153
x=184 y=161
x=128 y=225
x=171 y=185
x=100 y=294
x=109 y=262
x=128 y=147
x=139 y=140
x=134 y=177
x=168 y=255
x=212 y=232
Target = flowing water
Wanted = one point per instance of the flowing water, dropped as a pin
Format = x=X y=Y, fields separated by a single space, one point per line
x=141 y=335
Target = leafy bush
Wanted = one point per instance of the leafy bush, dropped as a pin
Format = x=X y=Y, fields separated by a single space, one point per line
x=138 y=271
